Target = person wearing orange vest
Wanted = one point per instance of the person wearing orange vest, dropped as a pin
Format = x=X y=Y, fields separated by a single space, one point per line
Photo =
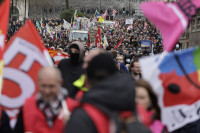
x=109 y=92
x=48 y=111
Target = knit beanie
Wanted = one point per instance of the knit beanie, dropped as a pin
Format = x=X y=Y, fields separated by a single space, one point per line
x=101 y=66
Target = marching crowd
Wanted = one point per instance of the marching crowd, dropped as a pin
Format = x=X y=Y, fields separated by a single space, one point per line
x=95 y=90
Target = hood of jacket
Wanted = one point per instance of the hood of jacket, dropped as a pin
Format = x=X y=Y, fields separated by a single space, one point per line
x=81 y=50
x=115 y=93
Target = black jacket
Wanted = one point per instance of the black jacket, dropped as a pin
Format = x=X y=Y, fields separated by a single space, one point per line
x=193 y=127
x=5 y=124
x=72 y=71
x=116 y=93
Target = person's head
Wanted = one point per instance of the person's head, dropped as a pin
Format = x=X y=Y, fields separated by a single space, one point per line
x=76 y=51
x=146 y=97
x=100 y=67
x=120 y=59
x=49 y=82
x=89 y=57
x=135 y=67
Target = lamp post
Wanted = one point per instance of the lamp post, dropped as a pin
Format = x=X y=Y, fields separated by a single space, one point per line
x=129 y=7
x=100 y=6
x=12 y=6
x=25 y=12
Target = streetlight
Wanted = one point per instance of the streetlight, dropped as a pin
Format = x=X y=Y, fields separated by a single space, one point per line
x=12 y=6
x=25 y=12
x=100 y=6
x=130 y=7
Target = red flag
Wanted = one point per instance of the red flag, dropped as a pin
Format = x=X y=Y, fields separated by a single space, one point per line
x=105 y=14
x=4 y=17
x=98 y=38
x=88 y=43
x=114 y=12
x=119 y=44
x=24 y=56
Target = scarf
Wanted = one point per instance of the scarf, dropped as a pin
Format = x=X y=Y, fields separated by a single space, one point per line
x=53 y=108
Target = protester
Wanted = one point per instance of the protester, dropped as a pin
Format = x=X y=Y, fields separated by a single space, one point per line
x=5 y=126
x=45 y=111
x=148 y=99
x=105 y=96
x=71 y=68
x=135 y=70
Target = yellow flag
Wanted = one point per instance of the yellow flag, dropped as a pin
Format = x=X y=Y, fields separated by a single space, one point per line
x=101 y=19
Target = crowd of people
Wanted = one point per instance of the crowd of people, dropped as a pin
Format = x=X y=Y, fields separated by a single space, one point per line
x=95 y=90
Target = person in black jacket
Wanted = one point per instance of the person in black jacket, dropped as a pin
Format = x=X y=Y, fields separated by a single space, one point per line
x=71 y=68
x=5 y=123
x=109 y=91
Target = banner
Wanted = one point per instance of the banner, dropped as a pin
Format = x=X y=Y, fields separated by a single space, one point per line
x=145 y=43
x=4 y=19
x=129 y=21
x=25 y=55
x=57 y=55
x=176 y=80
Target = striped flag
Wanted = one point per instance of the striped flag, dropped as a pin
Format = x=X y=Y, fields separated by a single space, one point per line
x=105 y=14
x=114 y=12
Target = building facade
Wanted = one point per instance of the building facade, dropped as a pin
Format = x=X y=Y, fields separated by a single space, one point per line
x=20 y=9
x=125 y=8
x=192 y=35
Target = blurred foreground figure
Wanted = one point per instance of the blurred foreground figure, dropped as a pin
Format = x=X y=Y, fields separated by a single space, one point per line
x=44 y=113
x=109 y=93
x=146 y=98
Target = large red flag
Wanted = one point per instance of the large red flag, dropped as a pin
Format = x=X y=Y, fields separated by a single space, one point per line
x=88 y=42
x=24 y=56
x=119 y=44
x=98 y=38
x=4 y=17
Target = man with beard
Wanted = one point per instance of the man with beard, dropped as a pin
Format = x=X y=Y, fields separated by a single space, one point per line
x=135 y=70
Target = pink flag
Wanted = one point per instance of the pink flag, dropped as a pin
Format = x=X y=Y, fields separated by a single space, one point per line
x=105 y=14
x=171 y=19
